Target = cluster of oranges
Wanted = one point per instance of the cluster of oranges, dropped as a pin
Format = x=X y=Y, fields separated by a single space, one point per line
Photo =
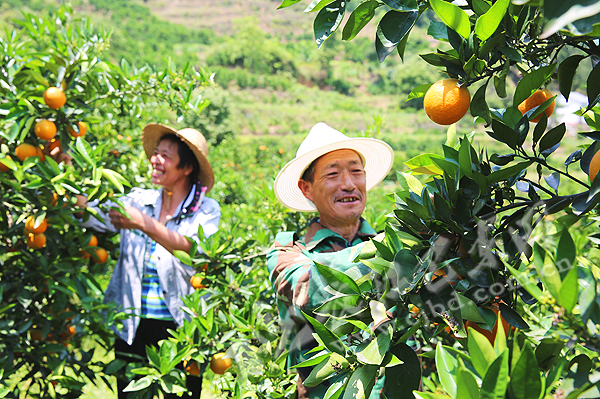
x=219 y=364
x=34 y=233
x=447 y=101
x=101 y=255
x=46 y=130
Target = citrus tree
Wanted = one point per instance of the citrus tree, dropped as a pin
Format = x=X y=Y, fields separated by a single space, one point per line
x=464 y=265
x=67 y=117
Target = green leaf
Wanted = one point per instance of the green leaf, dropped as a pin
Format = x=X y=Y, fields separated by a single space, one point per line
x=447 y=366
x=479 y=106
x=328 y=20
x=453 y=16
x=566 y=73
x=437 y=30
x=404 y=378
x=330 y=340
x=338 y=280
x=184 y=257
x=84 y=150
x=560 y=14
x=391 y=30
x=418 y=91
x=326 y=369
x=565 y=253
x=593 y=87
x=361 y=382
x=466 y=385
x=525 y=381
x=524 y=281
x=376 y=350
x=503 y=134
x=531 y=82
x=549 y=275
x=317 y=5
x=506 y=173
x=464 y=158
x=114 y=178
x=487 y=24
x=569 y=290
x=495 y=380
x=359 y=18
x=552 y=137
x=287 y=3
x=406 y=264
x=469 y=309
x=481 y=350
x=402 y=5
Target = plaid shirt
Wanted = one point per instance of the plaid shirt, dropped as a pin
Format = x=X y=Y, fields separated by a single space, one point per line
x=298 y=285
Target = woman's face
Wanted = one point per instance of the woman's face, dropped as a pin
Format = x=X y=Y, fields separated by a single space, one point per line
x=164 y=163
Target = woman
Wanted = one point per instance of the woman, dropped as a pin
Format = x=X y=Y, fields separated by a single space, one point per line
x=148 y=281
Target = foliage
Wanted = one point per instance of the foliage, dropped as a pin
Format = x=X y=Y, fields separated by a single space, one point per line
x=51 y=298
x=474 y=218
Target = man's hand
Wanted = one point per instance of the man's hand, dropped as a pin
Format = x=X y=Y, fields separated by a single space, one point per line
x=57 y=153
x=136 y=221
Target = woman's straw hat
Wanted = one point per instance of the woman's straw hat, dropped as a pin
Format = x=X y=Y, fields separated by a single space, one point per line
x=377 y=156
x=153 y=132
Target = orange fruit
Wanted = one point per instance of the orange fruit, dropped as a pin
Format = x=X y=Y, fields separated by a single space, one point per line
x=191 y=367
x=446 y=102
x=3 y=167
x=82 y=130
x=594 y=166
x=196 y=282
x=490 y=335
x=45 y=129
x=36 y=241
x=93 y=242
x=536 y=99
x=24 y=151
x=54 y=97
x=101 y=255
x=219 y=365
x=30 y=225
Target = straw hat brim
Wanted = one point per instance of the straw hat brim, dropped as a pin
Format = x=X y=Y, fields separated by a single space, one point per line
x=152 y=134
x=377 y=155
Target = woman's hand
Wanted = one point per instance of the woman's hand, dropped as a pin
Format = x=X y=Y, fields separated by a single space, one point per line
x=137 y=219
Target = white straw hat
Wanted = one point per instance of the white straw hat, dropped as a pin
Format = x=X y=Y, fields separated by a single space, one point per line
x=153 y=132
x=377 y=156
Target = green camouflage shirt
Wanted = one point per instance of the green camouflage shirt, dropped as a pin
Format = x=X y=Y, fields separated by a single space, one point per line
x=299 y=287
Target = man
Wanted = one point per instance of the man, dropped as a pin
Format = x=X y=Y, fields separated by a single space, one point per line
x=331 y=174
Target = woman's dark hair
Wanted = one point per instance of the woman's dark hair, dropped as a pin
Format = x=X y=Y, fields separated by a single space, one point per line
x=186 y=156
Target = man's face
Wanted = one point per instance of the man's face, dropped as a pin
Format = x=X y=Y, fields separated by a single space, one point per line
x=339 y=188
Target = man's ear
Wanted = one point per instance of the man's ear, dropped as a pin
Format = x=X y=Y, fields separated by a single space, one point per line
x=306 y=188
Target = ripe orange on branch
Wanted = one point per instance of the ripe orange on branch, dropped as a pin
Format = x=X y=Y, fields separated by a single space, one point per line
x=191 y=367
x=594 y=166
x=36 y=241
x=219 y=365
x=82 y=130
x=24 y=151
x=54 y=97
x=3 y=167
x=446 y=102
x=45 y=129
x=101 y=255
x=535 y=100
x=30 y=225
x=196 y=282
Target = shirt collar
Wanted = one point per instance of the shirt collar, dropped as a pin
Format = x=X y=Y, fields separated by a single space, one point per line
x=316 y=233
